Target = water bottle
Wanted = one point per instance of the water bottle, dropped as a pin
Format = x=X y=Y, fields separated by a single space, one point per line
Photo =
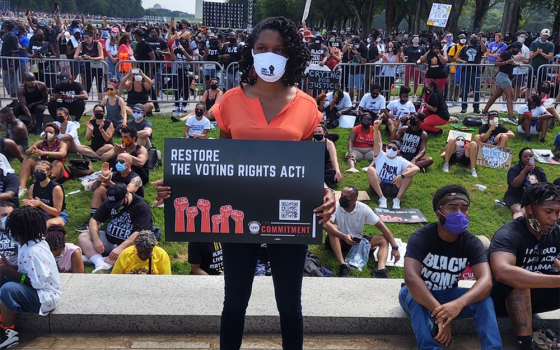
x=480 y=187
x=499 y=203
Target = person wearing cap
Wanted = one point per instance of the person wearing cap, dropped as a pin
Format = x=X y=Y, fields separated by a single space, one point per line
x=10 y=67
x=389 y=174
x=542 y=52
x=520 y=73
x=356 y=54
x=143 y=126
x=112 y=50
x=493 y=133
x=126 y=214
x=144 y=257
x=414 y=141
x=454 y=70
x=307 y=36
x=71 y=45
x=523 y=254
x=319 y=52
x=69 y=94
x=39 y=49
x=90 y=50
x=533 y=119
x=346 y=228
x=436 y=256
x=138 y=86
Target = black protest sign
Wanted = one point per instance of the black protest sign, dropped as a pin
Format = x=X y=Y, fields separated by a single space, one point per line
x=241 y=191
x=400 y=216
x=323 y=79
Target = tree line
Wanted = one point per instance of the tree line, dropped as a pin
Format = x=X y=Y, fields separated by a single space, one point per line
x=109 y=8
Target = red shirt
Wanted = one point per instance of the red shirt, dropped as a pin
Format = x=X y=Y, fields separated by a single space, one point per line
x=363 y=140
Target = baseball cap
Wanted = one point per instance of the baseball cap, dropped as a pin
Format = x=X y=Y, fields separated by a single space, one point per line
x=396 y=143
x=493 y=113
x=76 y=30
x=307 y=34
x=138 y=32
x=115 y=30
x=116 y=195
x=140 y=107
x=63 y=77
x=545 y=32
x=9 y=24
x=105 y=34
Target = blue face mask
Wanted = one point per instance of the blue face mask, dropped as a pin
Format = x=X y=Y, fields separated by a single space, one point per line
x=3 y=222
x=455 y=223
x=137 y=115
x=120 y=167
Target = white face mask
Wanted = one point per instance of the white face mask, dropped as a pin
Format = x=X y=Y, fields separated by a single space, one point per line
x=368 y=40
x=543 y=39
x=415 y=42
x=391 y=153
x=356 y=46
x=114 y=35
x=491 y=122
x=460 y=144
x=378 y=40
x=138 y=78
x=463 y=41
x=269 y=66
x=50 y=136
x=521 y=40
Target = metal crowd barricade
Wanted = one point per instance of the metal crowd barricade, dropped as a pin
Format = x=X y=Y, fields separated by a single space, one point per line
x=93 y=75
x=232 y=76
x=179 y=82
x=550 y=73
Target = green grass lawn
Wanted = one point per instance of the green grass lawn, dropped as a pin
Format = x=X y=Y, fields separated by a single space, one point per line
x=485 y=217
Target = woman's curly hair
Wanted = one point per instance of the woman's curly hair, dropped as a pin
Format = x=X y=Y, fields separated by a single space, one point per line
x=298 y=54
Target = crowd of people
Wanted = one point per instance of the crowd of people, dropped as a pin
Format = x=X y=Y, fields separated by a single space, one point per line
x=514 y=273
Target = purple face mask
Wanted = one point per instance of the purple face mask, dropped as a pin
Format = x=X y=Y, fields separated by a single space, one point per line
x=455 y=223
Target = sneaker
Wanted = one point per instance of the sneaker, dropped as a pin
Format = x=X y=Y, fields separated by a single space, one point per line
x=439 y=133
x=463 y=111
x=551 y=123
x=379 y=273
x=22 y=192
x=103 y=268
x=84 y=227
x=477 y=111
x=473 y=172
x=175 y=120
x=513 y=120
x=9 y=339
x=383 y=202
x=542 y=140
x=156 y=107
x=396 y=203
x=484 y=112
x=175 y=112
x=352 y=170
x=528 y=138
x=343 y=271
x=446 y=168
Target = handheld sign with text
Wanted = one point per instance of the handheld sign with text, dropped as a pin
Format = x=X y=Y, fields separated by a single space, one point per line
x=323 y=79
x=439 y=14
x=241 y=191
x=491 y=156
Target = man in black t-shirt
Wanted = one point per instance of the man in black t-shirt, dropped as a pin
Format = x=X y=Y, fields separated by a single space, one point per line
x=522 y=256
x=436 y=256
x=69 y=94
x=231 y=53
x=493 y=133
x=159 y=46
x=470 y=75
x=127 y=214
x=206 y=258
x=143 y=51
x=10 y=48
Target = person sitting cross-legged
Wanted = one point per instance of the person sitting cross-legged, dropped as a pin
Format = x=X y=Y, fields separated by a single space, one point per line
x=414 y=142
x=347 y=224
x=458 y=150
x=389 y=175
x=436 y=256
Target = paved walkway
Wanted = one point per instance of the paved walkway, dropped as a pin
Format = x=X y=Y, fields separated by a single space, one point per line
x=255 y=342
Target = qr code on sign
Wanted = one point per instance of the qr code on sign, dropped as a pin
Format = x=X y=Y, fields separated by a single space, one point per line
x=289 y=209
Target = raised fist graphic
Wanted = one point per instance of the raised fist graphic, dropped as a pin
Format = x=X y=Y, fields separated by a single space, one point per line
x=237 y=216
x=204 y=206
x=191 y=213
x=216 y=221
x=180 y=204
x=226 y=212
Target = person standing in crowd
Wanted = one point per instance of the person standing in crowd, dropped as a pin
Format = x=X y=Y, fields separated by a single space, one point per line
x=494 y=50
x=91 y=51
x=39 y=49
x=389 y=69
x=520 y=73
x=112 y=49
x=411 y=55
x=471 y=56
x=414 y=142
x=231 y=53
x=10 y=67
x=143 y=52
x=160 y=49
x=144 y=257
x=454 y=70
x=437 y=72
x=319 y=52
x=32 y=101
x=69 y=94
x=433 y=303
x=182 y=54
x=435 y=109
x=356 y=54
x=522 y=256
x=542 y=52
x=211 y=54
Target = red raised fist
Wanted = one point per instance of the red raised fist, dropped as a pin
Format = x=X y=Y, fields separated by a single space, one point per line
x=237 y=216
x=216 y=221
x=204 y=206
x=191 y=213
x=226 y=212
x=180 y=204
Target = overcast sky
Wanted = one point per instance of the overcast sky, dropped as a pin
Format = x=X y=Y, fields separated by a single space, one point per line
x=174 y=5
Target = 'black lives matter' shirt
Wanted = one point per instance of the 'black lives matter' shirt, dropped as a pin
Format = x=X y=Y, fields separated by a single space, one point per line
x=530 y=254
x=443 y=262
x=208 y=255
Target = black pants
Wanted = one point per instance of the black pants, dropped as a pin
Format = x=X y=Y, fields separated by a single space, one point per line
x=183 y=85
x=36 y=113
x=75 y=108
x=90 y=74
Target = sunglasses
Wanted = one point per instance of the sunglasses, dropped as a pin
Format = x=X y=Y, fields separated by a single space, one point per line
x=460 y=139
x=110 y=89
x=393 y=148
x=121 y=161
x=366 y=119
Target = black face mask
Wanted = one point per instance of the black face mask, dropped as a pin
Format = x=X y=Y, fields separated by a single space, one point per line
x=153 y=35
x=77 y=36
x=474 y=42
x=318 y=137
x=99 y=115
x=514 y=52
x=213 y=42
x=545 y=89
x=40 y=39
x=213 y=86
x=39 y=176
x=232 y=41
x=413 y=122
x=199 y=113
x=60 y=119
x=344 y=202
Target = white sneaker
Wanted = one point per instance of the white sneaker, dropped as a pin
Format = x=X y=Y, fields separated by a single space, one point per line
x=396 y=203
x=22 y=192
x=352 y=170
x=175 y=112
x=9 y=339
x=103 y=268
x=383 y=203
x=446 y=168
x=473 y=172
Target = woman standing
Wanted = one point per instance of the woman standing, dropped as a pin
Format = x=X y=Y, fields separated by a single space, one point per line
x=437 y=59
x=112 y=49
x=411 y=55
x=91 y=50
x=389 y=70
x=181 y=53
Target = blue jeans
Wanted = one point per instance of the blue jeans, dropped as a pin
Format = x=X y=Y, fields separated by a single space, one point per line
x=470 y=79
x=240 y=260
x=481 y=312
x=19 y=298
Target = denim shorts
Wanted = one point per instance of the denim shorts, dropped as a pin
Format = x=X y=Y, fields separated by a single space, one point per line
x=19 y=298
x=502 y=80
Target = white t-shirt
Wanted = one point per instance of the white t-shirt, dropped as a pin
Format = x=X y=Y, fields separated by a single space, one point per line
x=36 y=260
x=343 y=104
x=526 y=55
x=535 y=112
x=72 y=130
x=353 y=222
x=387 y=168
x=399 y=110
x=374 y=105
x=197 y=126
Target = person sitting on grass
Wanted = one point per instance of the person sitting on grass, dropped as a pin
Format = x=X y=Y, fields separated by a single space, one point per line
x=69 y=133
x=143 y=126
x=47 y=194
x=15 y=131
x=533 y=119
x=346 y=228
x=360 y=143
x=332 y=169
x=143 y=258
x=372 y=103
x=519 y=178
x=459 y=150
x=68 y=256
x=51 y=149
x=389 y=175
x=436 y=256
x=493 y=133
x=99 y=131
x=414 y=142
x=434 y=108
x=8 y=247
x=9 y=187
x=398 y=112
x=33 y=286
x=197 y=125
x=210 y=98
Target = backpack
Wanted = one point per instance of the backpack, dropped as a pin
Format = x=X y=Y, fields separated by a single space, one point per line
x=313 y=268
x=472 y=121
x=154 y=158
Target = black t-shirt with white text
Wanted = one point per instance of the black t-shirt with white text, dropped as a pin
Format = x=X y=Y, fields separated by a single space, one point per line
x=72 y=88
x=155 y=44
x=318 y=53
x=234 y=51
x=443 y=262
x=208 y=255
x=410 y=143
